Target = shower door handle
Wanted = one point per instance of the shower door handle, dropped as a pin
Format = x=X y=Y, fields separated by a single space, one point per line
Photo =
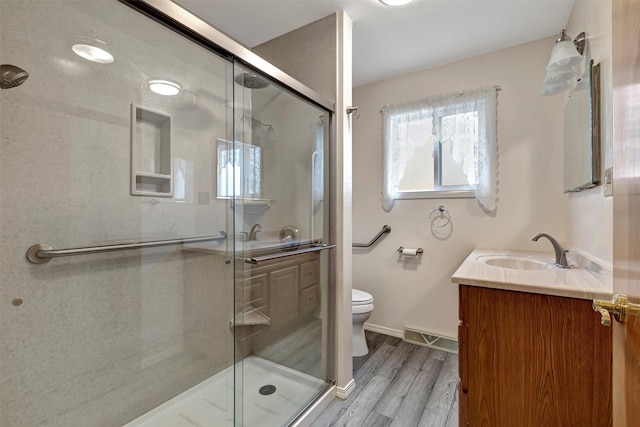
x=313 y=192
x=258 y=260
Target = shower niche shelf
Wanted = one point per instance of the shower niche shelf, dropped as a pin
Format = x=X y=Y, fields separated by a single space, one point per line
x=249 y=317
x=151 y=161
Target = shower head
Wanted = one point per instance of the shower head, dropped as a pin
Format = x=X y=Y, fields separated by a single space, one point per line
x=251 y=81
x=11 y=76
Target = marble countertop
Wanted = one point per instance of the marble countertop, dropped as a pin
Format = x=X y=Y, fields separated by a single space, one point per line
x=587 y=281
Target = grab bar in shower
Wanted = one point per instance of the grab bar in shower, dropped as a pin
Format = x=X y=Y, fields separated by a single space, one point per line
x=385 y=229
x=42 y=253
x=259 y=259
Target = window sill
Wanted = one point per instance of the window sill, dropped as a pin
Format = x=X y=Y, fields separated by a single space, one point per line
x=436 y=194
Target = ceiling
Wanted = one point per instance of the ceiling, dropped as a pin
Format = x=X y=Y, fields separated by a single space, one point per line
x=391 y=41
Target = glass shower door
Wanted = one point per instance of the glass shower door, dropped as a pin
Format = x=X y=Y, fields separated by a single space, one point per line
x=282 y=267
x=163 y=226
x=111 y=143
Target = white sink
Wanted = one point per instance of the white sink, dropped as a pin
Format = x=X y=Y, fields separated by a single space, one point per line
x=516 y=262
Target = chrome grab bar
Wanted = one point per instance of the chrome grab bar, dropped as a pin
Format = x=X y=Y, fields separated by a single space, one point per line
x=42 y=253
x=259 y=259
x=385 y=229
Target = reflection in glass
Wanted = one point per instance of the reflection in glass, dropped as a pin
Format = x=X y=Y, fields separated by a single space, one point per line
x=239 y=170
x=281 y=145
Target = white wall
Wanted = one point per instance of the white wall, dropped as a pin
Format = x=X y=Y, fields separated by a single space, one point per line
x=589 y=221
x=419 y=294
x=308 y=54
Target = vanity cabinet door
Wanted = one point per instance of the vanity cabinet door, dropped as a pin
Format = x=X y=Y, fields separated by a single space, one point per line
x=463 y=361
x=309 y=272
x=532 y=360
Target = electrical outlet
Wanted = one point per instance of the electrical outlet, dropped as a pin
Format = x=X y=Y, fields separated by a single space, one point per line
x=607 y=187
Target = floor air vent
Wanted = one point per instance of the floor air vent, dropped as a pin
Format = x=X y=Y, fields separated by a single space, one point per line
x=431 y=340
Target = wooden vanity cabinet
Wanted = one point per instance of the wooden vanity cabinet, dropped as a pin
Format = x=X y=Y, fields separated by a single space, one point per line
x=532 y=360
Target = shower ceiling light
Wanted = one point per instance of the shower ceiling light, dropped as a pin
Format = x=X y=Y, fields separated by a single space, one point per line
x=164 y=87
x=92 y=53
x=395 y=2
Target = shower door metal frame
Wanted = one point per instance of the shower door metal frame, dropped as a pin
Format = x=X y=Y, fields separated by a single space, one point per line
x=178 y=18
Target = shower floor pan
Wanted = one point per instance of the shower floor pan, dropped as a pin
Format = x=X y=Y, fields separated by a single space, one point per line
x=272 y=395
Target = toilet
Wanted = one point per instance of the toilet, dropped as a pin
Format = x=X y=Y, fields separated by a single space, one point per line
x=361 y=308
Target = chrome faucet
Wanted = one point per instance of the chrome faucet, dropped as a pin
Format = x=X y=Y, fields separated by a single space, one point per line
x=561 y=253
x=254 y=231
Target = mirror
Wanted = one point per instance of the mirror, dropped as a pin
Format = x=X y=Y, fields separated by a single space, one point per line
x=582 y=133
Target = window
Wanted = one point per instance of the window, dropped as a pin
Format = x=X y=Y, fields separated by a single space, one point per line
x=441 y=147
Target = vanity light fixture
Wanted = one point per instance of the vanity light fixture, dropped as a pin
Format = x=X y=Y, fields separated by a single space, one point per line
x=164 y=87
x=554 y=88
x=94 y=51
x=584 y=80
x=565 y=55
x=559 y=76
x=392 y=3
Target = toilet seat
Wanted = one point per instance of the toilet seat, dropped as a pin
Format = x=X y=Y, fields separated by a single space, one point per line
x=359 y=297
x=361 y=309
x=361 y=302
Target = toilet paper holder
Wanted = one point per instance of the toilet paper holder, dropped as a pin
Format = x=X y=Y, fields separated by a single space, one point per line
x=418 y=251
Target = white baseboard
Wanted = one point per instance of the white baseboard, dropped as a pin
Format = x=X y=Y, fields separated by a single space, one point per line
x=384 y=330
x=343 y=393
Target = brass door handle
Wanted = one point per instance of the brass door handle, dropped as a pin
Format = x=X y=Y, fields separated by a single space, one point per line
x=605 y=318
x=619 y=306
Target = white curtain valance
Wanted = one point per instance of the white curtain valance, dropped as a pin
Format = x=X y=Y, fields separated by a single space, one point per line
x=398 y=148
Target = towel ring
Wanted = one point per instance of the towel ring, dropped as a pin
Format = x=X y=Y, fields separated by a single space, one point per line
x=440 y=212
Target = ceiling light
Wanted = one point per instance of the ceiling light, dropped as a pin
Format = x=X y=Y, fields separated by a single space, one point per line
x=395 y=2
x=164 y=87
x=92 y=53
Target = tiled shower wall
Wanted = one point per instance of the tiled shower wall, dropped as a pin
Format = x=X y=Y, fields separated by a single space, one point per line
x=100 y=339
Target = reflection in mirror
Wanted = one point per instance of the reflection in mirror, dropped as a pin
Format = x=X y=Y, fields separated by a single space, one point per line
x=582 y=133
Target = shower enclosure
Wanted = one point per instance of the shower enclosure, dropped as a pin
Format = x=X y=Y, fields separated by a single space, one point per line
x=164 y=223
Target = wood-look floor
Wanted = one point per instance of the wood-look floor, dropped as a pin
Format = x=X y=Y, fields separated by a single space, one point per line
x=398 y=384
